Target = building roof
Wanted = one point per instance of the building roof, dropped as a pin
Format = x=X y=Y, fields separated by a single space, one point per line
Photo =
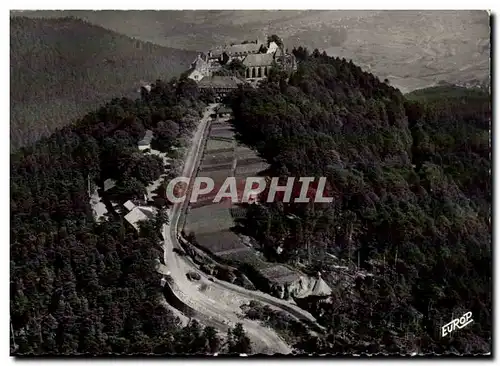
x=260 y=59
x=147 y=138
x=108 y=184
x=199 y=63
x=220 y=82
x=242 y=48
x=321 y=288
x=215 y=52
x=129 y=205
x=138 y=214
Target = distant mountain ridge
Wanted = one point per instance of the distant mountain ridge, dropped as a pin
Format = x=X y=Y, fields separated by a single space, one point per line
x=413 y=49
x=62 y=68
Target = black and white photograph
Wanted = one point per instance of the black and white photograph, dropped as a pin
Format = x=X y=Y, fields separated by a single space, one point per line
x=250 y=183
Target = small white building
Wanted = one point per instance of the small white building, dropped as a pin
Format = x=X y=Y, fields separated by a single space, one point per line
x=195 y=75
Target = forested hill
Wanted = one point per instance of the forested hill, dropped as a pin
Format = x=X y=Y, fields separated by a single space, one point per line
x=62 y=68
x=412 y=188
x=78 y=286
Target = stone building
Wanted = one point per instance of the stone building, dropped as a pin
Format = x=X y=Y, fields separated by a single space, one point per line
x=221 y=85
x=257 y=60
x=240 y=51
x=200 y=68
x=258 y=66
x=235 y=51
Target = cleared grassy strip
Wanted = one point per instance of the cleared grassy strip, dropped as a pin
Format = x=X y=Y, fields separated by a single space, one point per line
x=219 y=159
x=250 y=170
x=217 y=151
x=202 y=201
x=215 y=168
x=219 y=241
x=280 y=274
x=222 y=132
x=244 y=150
x=215 y=145
x=217 y=175
x=219 y=138
x=246 y=155
x=228 y=154
x=248 y=161
x=249 y=257
x=208 y=219
x=216 y=125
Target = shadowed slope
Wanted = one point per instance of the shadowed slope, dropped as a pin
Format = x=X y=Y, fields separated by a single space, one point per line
x=62 y=68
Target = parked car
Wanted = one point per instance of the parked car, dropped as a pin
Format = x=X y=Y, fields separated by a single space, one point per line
x=193 y=276
x=179 y=251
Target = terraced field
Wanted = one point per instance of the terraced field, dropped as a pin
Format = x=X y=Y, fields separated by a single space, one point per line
x=215 y=169
x=217 y=158
x=212 y=218
x=224 y=133
x=249 y=170
x=222 y=241
x=214 y=146
x=212 y=223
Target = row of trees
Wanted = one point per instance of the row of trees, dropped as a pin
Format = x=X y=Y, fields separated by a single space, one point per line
x=411 y=187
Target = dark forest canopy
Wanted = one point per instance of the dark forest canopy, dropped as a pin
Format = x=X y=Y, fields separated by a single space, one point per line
x=412 y=187
x=62 y=68
x=82 y=287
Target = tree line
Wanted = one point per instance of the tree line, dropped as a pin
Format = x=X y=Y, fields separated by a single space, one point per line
x=63 y=68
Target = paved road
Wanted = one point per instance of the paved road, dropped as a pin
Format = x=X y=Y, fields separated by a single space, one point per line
x=218 y=306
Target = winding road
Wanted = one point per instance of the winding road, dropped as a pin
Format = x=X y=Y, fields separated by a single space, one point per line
x=217 y=303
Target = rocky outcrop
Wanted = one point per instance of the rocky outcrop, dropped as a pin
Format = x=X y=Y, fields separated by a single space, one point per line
x=300 y=288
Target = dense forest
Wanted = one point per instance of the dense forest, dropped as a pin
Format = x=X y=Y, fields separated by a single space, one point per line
x=410 y=177
x=85 y=287
x=62 y=68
